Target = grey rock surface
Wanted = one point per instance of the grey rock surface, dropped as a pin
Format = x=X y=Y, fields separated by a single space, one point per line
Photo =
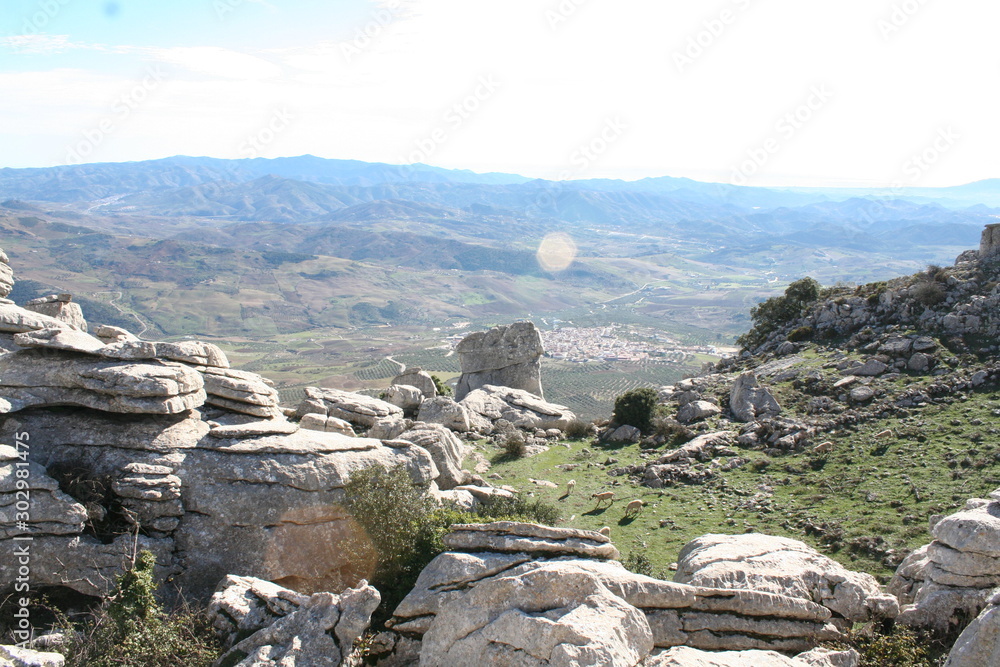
x=748 y=400
x=517 y=406
x=358 y=409
x=507 y=356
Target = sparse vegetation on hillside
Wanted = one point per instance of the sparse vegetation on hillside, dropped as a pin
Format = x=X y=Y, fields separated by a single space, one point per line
x=636 y=408
x=778 y=311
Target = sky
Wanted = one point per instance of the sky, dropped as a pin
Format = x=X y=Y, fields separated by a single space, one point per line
x=873 y=93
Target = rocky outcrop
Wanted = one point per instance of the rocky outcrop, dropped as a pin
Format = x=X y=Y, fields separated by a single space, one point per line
x=767 y=564
x=445 y=448
x=979 y=643
x=519 y=407
x=34 y=378
x=946 y=583
x=15 y=656
x=315 y=422
x=14 y=319
x=360 y=410
x=507 y=356
x=415 y=377
x=455 y=416
x=544 y=616
x=404 y=396
x=60 y=307
x=241 y=391
x=678 y=614
x=989 y=244
x=749 y=401
x=684 y=656
x=694 y=411
x=6 y=275
x=198 y=497
x=265 y=624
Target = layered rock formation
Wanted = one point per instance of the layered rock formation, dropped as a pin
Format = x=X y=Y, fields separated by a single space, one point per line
x=357 y=409
x=979 y=643
x=473 y=591
x=945 y=584
x=508 y=356
x=748 y=400
x=519 y=407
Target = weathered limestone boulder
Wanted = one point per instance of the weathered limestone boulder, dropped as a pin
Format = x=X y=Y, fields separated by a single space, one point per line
x=315 y=422
x=870 y=368
x=31 y=378
x=110 y=334
x=389 y=428
x=678 y=614
x=696 y=411
x=685 y=656
x=240 y=391
x=948 y=582
x=748 y=401
x=514 y=537
x=979 y=643
x=507 y=356
x=60 y=307
x=15 y=656
x=624 y=433
x=358 y=409
x=289 y=629
x=404 y=396
x=14 y=319
x=541 y=617
x=269 y=506
x=445 y=448
x=519 y=407
x=989 y=244
x=455 y=416
x=415 y=377
x=195 y=353
x=69 y=340
x=6 y=275
x=51 y=511
x=764 y=563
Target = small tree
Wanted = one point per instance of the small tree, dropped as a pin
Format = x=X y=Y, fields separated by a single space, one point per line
x=441 y=387
x=778 y=311
x=636 y=408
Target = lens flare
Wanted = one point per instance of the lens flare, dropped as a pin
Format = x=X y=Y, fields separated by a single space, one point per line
x=556 y=251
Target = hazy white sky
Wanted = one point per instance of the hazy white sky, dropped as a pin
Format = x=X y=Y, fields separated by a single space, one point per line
x=763 y=92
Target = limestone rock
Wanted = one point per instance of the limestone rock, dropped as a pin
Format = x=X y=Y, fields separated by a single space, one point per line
x=685 y=656
x=862 y=394
x=749 y=401
x=195 y=353
x=240 y=391
x=697 y=411
x=415 y=377
x=388 y=428
x=625 y=433
x=506 y=356
x=870 y=368
x=15 y=656
x=110 y=334
x=404 y=396
x=445 y=411
x=513 y=537
x=71 y=340
x=6 y=275
x=60 y=307
x=989 y=244
x=52 y=512
x=358 y=409
x=32 y=378
x=542 y=617
x=320 y=632
x=979 y=643
x=445 y=448
x=788 y=567
x=519 y=407
x=14 y=319
x=315 y=422
x=241 y=606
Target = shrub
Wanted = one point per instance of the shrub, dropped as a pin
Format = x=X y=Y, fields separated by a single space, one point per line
x=639 y=563
x=674 y=432
x=441 y=387
x=899 y=648
x=515 y=446
x=578 y=429
x=131 y=630
x=779 y=311
x=636 y=408
x=800 y=334
x=929 y=294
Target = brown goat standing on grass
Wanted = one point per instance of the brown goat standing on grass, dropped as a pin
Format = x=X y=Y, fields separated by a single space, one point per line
x=602 y=496
x=634 y=507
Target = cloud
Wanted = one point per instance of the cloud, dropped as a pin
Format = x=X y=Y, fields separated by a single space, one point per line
x=218 y=62
x=39 y=44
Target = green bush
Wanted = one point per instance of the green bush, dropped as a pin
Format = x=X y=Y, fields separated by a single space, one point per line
x=639 y=563
x=131 y=630
x=441 y=387
x=578 y=429
x=515 y=446
x=800 y=334
x=899 y=648
x=929 y=294
x=636 y=408
x=779 y=311
x=672 y=430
